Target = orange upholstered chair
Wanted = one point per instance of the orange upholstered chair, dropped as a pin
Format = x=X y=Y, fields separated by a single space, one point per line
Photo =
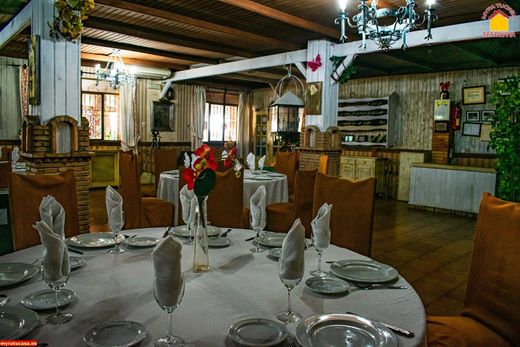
x=140 y=212
x=281 y=216
x=287 y=163
x=352 y=215
x=491 y=313
x=164 y=160
x=5 y=168
x=226 y=201
x=25 y=195
x=324 y=164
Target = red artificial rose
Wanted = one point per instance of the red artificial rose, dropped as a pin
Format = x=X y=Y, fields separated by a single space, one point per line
x=231 y=156
x=189 y=175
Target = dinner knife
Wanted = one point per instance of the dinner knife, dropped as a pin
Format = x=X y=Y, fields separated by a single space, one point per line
x=397 y=330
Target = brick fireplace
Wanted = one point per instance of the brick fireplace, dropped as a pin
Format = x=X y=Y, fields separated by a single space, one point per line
x=57 y=146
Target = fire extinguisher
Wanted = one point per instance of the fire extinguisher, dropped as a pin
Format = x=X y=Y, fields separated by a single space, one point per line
x=455 y=117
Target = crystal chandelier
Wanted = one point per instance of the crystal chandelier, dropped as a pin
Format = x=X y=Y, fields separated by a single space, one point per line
x=385 y=26
x=115 y=72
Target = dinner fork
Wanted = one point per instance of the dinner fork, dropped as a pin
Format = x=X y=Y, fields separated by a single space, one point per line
x=378 y=286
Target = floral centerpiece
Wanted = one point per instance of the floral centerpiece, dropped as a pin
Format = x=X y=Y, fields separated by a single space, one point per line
x=229 y=155
x=69 y=21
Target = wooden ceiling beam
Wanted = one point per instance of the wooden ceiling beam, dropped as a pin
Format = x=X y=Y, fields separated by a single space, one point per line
x=472 y=53
x=409 y=61
x=132 y=61
x=162 y=36
x=283 y=17
x=193 y=22
x=148 y=50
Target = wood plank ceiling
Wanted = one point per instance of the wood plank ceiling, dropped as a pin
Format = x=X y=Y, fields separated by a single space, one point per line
x=185 y=33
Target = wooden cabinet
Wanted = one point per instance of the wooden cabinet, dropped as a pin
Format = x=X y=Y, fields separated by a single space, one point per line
x=360 y=168
x=261 y=133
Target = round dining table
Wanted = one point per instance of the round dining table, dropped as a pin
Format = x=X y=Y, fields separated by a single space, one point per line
x=239 y=285
x=275 y=184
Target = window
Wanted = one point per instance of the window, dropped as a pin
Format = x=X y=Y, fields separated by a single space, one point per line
x=220 y=122
x=102 y=112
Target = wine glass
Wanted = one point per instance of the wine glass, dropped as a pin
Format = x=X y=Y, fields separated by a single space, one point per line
x=56 y=284
x=289 y=316
x=169 y=340
x=116 y=230
x=321 y=245
x=258 y=229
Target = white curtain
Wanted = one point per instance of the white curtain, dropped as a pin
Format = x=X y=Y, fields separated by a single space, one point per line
x=126 y=110
x=197 y=124
x=243 y=136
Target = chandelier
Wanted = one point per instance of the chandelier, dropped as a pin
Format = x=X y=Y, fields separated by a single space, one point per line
x=385 y=26
x=115 y=72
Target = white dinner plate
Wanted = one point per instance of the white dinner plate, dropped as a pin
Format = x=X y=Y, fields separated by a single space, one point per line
x=142 y=241
x=115 y=333
x=261 y=178
x=275 y=174
x=76 y=262
x=257 y=332
x=94 y=240
x=343 y=330
x=182 y=231
x=218 y=242
x=16 y=322
x=12 y=273
x=46 y=299
x=275 y=253
x=271 y=239
x=327 y=285
x=364 y=271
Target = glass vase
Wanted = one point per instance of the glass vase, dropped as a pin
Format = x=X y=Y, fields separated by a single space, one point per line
x=200 y=242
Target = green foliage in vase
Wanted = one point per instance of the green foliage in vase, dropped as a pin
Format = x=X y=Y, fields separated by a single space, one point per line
x=347 y=73
x=505 y=137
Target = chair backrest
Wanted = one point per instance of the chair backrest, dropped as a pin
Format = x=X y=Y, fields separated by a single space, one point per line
x=5 y=168
x=287 y=163
x=226 y=201
x=25 y=195
x=324 y=164
x=164 y=160
x=304 y=197
x=130 y=189
x=352 y=216
x=493 y=293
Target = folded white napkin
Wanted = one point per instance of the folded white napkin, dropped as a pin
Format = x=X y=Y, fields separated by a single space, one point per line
x=251 y=161
x=321 y=227
x=188 y=204
x=114 y=203
x=292 y=256
x=257 y=205
x=261 y=162
x=224 y=155
x=168 y=278
x=187 y=161
x=52 y=234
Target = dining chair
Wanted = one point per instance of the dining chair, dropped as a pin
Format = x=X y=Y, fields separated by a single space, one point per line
x=5 y=168
x=281 y=216
x=352 y=216
x=25 y=195
x=226 y=201
x=287 y=163
x=164 y=160
x=140 y=212
x=324 y=164
x=491 y=313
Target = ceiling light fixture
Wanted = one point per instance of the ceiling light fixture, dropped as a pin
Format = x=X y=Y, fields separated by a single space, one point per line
x=370 y=20
x=115 y=72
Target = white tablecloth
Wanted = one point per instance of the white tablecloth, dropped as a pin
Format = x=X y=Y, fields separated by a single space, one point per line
x=239 y=285
x=276 y=188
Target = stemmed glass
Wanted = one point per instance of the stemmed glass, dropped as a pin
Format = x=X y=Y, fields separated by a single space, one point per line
x=258 y=229
x=116 y=229
x=189 y=240
x=169 y=340
x=320 y=246
x=290 y=284
x=56 y=285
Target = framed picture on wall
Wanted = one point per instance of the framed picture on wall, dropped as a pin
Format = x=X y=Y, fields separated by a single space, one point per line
x=33 y=64
x=163 y=116
x=442 y=126
x=313 y=98
x=487 y=116
x=471 y=129
x=474 y=95
x=485 y=133
x=472 y=116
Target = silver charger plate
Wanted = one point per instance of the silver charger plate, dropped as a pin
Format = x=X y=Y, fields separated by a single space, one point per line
x=271 y=239
x=46 y=299
x=327 y=285
x=343 y=330
x=16 y=322
x=218 y=242
x=94 y=240
x=275 y=253
x=115 y=333
x=12 y=273
x=364 y=271
x=182 y=231
x=142 y=241
x=257 y=332
x=275 y=174
x=76 y=262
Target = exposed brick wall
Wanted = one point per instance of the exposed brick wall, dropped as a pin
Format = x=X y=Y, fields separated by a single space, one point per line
x=441 y=143
x=310 y=159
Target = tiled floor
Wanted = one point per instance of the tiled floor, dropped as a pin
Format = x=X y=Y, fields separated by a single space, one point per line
x=432 y=251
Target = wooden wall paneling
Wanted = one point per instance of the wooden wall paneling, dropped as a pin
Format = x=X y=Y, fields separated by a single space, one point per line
x=60 y=78
x=405 y=166
x=73 y=80
x=10 y=113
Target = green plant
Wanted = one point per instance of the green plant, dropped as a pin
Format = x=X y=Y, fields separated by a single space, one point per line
x=505 y=137
x=69 y=21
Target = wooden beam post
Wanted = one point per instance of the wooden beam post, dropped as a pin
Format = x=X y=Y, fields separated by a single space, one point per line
x=16 y=25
